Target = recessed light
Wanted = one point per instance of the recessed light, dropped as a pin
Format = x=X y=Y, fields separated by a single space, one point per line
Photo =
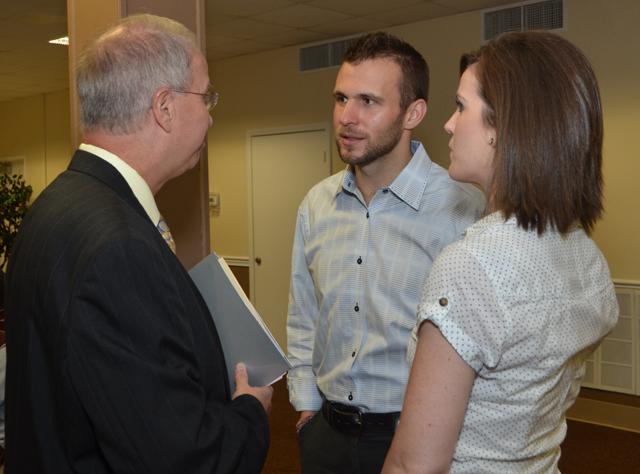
x=64 y=40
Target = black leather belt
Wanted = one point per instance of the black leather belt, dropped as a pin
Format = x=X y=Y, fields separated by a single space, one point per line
x=353 y=422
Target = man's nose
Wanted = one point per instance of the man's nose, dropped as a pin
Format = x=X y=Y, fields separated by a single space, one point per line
x=348 y=113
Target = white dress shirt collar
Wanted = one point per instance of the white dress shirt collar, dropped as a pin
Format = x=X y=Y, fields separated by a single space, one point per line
x=137 y=184
x=409 y=185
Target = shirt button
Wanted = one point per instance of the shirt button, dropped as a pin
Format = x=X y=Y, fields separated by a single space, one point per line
x=359 y=260
x=356 y=308
x=385 y=191
x=367 y=214
x=350 y=397
x=353 y=354
x=443 y=301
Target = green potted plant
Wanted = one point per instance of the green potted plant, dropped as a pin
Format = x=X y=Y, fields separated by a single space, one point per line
x=14 y=200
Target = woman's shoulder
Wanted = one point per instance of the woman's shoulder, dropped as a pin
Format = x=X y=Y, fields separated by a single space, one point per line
x=492 y=248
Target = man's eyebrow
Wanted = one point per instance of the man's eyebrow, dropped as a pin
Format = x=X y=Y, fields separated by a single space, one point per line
x=370 y=95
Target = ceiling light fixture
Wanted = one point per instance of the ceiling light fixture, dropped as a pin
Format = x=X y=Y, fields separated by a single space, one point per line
x=64 y=40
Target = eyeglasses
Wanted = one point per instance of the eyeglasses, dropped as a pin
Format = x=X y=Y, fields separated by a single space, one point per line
x=210 y=97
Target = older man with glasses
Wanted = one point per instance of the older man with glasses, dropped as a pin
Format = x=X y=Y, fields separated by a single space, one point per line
x=115 y=364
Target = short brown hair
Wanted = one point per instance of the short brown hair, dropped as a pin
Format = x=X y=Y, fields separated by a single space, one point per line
x=542 y=98
x=415 y=71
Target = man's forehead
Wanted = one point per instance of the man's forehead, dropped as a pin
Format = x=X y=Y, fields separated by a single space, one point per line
x=373 y=74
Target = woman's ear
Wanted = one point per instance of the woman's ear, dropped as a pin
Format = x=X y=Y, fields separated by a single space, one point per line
x=492 y=136
x=415 y=113
x=163 y=108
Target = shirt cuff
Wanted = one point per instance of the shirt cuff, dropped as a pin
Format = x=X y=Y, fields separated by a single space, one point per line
x=438 y=311
x=303 y=393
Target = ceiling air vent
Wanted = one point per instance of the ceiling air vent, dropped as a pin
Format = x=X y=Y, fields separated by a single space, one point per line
x=535 y=15
x=323 y=55
x=543 y=15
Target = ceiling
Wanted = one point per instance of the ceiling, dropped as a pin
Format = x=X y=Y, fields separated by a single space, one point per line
x=29 y=65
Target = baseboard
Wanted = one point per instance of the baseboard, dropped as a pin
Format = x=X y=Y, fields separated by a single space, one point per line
x=233 y=261
x=612 y=415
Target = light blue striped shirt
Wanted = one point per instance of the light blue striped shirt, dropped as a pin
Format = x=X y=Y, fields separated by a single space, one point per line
x=357 y=274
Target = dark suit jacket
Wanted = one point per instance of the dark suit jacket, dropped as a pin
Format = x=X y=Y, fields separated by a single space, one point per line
x=114 y=363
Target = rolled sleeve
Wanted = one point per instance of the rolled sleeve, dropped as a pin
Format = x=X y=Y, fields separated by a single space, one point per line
x=460 y=300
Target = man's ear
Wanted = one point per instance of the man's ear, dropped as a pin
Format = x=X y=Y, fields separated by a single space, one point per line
x=415 y=113
x=163 y=108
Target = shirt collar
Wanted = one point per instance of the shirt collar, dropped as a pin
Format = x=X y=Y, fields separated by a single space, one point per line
x=490 y=220
x=138 y=185
x=409 y=185
x=348 y=182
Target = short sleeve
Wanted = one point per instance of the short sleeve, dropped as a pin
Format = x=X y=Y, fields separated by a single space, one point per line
x=460 y=299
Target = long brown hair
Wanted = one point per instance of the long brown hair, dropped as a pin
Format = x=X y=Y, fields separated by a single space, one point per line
x=542 y=98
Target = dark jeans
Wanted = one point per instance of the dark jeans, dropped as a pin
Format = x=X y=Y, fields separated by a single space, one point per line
x=324 y=450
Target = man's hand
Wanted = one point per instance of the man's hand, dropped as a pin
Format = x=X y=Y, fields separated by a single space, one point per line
x=263 y=394
x=305 y=417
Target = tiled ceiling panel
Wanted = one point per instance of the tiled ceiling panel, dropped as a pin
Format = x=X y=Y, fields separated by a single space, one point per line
x=302 y=16
x=358 y=8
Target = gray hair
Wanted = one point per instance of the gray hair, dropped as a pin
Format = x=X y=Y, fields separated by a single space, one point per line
x=119 y=72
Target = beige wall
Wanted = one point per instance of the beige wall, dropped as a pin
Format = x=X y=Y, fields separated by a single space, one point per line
x=37 y=128
x=57 y=139
x=265 y=90
x=611 y=39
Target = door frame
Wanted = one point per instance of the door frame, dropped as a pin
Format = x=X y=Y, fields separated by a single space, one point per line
x=312 y=127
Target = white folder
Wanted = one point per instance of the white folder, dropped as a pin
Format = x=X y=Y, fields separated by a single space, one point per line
x=243 y=334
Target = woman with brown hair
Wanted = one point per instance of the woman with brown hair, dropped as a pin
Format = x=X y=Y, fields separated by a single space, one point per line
x=510 y=313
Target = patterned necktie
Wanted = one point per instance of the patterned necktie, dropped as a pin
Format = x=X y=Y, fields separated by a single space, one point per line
x=163 y=228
